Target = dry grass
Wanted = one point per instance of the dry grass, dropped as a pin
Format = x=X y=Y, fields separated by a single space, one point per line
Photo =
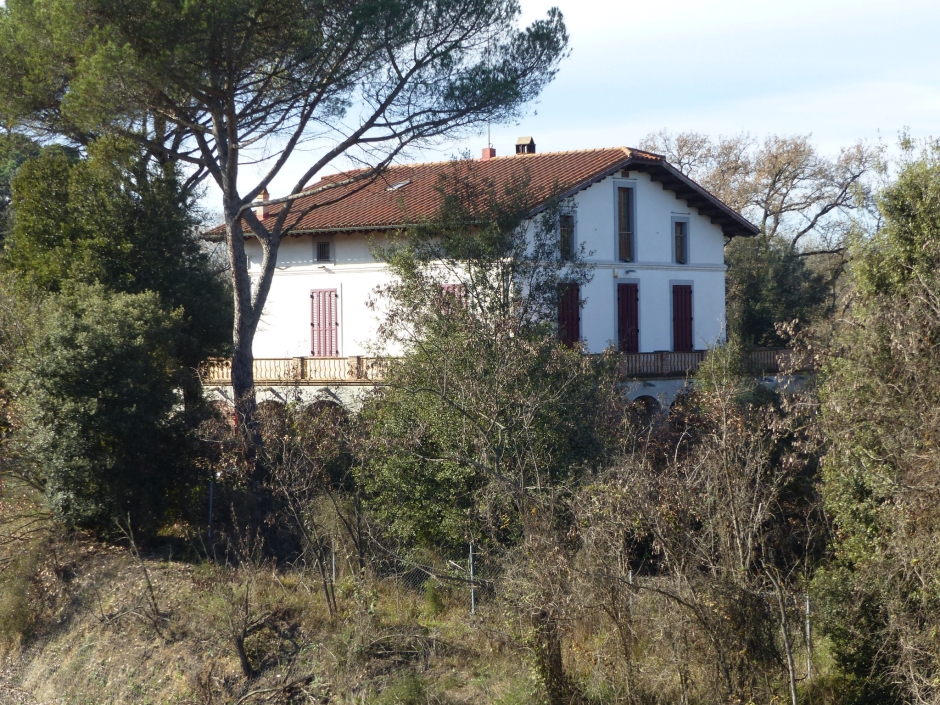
x=105 y=639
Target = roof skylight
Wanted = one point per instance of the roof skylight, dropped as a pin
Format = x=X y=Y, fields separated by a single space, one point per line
x=400 y=184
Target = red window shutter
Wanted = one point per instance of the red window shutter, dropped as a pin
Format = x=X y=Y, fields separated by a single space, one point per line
x=324 y=323
x=682 y=318
x=454 y=290
x=569 y=313
x=628 y=318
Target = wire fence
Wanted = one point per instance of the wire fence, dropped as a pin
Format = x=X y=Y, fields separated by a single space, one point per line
x=470 y=580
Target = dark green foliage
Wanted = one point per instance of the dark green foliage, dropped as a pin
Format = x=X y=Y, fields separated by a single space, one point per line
x=454 y=458
x=880 y=394
x=111 y=220
x=123 y=307
x=907 y=248
x=98 y=424
x=14 y=150
x=770 y=283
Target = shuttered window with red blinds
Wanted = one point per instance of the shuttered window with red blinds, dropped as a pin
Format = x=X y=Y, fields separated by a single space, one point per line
x=682 y=318
x=569 y=313
x=628 y=318
x=625 y=224
x=324 y=323
x=452 y=294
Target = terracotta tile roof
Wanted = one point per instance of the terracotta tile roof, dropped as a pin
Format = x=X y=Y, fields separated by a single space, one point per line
x=406 y=194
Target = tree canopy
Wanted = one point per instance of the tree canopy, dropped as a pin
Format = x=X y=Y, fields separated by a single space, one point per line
x=111 y=220
x=486 y=411
x=220 y=86
x=808 y=205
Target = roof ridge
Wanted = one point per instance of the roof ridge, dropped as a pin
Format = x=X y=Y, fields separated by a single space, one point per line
x=628 y=151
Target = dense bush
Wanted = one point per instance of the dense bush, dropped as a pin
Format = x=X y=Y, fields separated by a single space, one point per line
x=880 y=397
x=98 y=422
x=115 y=219
x=770 y=283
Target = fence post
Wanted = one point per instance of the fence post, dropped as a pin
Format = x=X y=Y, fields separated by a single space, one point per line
x=473 y=595
x=809 y=642
x=630 y=583
x=211 y=492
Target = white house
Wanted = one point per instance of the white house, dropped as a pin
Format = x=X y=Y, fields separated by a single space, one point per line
x=656 y=238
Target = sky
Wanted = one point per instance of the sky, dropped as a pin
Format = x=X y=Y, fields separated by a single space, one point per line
x=841 y=70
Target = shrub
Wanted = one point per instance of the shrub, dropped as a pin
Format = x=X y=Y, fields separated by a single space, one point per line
x=98 y=425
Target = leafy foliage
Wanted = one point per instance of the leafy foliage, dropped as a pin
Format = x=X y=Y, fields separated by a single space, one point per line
x=486 y=407
x=906 y=249
x=122 y=307
x=98 y=423
x=880 y=398
x=768 y=283
x=112 y=221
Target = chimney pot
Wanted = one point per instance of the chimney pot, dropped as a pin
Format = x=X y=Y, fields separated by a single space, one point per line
x=488 y=153
x=262 y=212
x=525 y=145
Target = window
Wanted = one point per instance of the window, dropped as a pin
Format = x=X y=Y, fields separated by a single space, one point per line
x=625 y=224
x=324 y=323
x=681 y=241
x=323 y=252
x=452 y=294
x=682 y=318
x=566 y=236
x=628 y=318
x=569 y=314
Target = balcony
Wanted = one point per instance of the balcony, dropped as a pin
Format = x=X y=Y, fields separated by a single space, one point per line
x=300 y=371
x=760 y=361
x=369 y=370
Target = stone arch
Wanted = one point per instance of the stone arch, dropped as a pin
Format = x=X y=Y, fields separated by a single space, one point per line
x=649 y=404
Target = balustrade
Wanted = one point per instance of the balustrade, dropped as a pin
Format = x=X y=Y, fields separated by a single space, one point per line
x=365 y=370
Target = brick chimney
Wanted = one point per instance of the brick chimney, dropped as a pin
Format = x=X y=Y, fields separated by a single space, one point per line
x=525 y=145
x=488 y=153
x=262 y=211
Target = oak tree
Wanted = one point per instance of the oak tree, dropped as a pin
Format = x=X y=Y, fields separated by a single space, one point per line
x=808 y=206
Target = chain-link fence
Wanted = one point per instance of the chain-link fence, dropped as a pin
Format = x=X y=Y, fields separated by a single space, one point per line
x=466 y=582
x=471 y=580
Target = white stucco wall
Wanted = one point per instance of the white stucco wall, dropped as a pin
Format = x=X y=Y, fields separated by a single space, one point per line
x=653 y=269
x=284 y=330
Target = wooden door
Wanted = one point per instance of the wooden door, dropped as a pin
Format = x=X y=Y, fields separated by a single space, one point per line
x=569 y=313
x=682 y=318
x=324 y=323
x=628 y=318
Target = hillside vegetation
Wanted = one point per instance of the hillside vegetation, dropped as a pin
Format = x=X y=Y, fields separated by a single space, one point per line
x=495 y=523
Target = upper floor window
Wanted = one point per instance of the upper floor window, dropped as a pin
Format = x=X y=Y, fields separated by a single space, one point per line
x=625 y=224
x=681 y=241
x=566 y=236
x=323 y=252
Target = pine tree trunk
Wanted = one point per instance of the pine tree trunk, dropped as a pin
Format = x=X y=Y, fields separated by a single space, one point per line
x=243 y=330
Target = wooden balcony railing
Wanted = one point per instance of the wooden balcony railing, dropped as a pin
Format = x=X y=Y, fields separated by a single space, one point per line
x=300 y=370
x=369 y=370
x=679 y=364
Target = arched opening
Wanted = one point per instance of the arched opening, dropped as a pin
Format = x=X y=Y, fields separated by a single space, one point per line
x=648 y=405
